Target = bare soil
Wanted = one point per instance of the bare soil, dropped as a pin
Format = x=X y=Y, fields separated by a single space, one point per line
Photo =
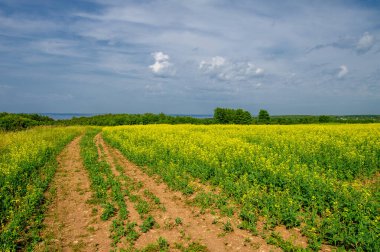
x=71 y=223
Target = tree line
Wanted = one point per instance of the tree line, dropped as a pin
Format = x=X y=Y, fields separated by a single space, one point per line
x=239 y=116
x=12 y=122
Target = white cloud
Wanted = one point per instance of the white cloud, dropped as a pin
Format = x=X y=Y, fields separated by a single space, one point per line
x=343 y=71
x=211 y=65
x=160 y=56
x=162 y=67
x=222 y=69
x=259 y=71
x=365 y=43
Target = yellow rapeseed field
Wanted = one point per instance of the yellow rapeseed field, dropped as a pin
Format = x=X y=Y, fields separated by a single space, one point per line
x=27 y=164
x=323 y=178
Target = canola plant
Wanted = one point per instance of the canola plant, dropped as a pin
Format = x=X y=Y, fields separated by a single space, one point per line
x=27 y=164
x=323 y=179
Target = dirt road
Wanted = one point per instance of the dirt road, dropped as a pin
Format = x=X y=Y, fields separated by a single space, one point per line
x=71 y=223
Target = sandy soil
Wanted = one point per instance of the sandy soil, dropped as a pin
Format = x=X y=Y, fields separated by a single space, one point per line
x=71 y=223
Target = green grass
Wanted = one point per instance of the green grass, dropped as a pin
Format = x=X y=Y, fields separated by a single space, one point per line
x=108 y=211
x=147 y=224
x=161 y=245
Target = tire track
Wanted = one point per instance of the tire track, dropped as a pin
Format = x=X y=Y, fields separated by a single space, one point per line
x=71 y=223
x=200 y=228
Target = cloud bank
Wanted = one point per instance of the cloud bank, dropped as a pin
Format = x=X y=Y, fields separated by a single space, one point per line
x=190 y=56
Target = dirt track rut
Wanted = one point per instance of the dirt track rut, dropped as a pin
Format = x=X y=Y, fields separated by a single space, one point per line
x=71 y=223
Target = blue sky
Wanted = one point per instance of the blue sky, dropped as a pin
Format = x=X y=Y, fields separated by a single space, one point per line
x=188 y=57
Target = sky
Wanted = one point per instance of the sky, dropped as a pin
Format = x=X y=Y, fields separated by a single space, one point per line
x=189 y=57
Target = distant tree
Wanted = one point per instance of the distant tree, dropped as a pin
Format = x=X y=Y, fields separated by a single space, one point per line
x=13 y=122
x=263 y=116
x=229 y=116
x=324 y=119
x=242 y=117
x=220 y=115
